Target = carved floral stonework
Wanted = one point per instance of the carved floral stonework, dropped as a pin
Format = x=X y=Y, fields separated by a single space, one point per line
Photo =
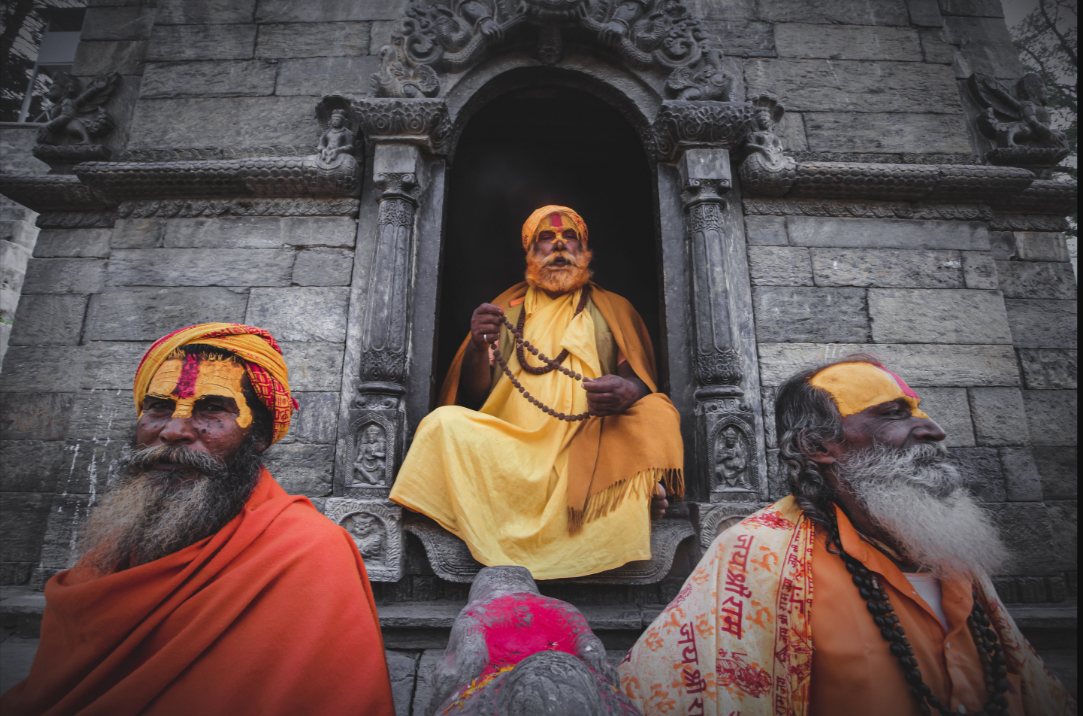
x=420 y=121
x=685 y=124
x=376 y=529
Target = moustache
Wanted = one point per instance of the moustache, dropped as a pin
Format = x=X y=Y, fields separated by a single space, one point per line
x=145 y=459
x=573 y=260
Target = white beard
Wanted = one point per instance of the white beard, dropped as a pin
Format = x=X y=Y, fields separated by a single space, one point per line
x=917 y=498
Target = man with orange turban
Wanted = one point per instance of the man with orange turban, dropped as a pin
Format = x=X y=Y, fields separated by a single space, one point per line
x=549 y=465
x=203 y=587
x=866 y=591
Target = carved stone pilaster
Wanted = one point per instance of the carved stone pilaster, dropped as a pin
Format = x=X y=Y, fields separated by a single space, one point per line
x=376 y=528
x=424 y=122
x=684 y=124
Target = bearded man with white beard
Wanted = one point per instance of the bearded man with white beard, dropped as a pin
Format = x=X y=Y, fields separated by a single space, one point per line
x=558 y=462
x=203 y=587
x=865 y=591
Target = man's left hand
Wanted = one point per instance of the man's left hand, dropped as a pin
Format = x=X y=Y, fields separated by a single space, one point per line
x=610 y=395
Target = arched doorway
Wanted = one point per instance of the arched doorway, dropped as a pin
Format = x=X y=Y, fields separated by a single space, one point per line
x=545 y=144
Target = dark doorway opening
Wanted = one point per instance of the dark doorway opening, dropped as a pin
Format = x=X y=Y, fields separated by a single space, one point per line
x=526 y=149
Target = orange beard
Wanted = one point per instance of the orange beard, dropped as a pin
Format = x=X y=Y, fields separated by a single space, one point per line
x=541 y=274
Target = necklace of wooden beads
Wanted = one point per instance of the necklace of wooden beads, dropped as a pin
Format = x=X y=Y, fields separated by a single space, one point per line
x=989 y=649
x=522 y=345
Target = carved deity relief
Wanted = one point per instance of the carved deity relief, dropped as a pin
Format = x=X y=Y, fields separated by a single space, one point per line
x=1017 y=120
x=732 y=454
x=369 y=534
x=766 y=170
x=371 y=461
x=376 y=529
x=76 y=121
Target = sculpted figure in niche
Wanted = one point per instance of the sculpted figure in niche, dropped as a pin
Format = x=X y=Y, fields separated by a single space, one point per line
x=732 y=459
x=372 y=455
x=70 y=115
x=337 y=141
x=368 y=534
x=552 y=437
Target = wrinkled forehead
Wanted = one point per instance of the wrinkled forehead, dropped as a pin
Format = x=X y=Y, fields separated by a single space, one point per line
x=194 y=376
x=857 y=386
x=557 y=222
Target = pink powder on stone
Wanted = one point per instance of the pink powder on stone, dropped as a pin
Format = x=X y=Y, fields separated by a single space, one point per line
x=517 y=626
x=186 y=383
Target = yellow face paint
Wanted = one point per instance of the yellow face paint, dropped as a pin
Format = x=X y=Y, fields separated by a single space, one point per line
x=857 y=386
x=189 y=380
x=557 y=222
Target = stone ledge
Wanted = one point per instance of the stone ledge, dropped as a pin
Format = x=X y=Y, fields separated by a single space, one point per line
x=1063 y=615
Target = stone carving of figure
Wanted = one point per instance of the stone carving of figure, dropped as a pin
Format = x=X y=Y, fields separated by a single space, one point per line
x=766 y=170
x=732 y=459
x=1015 y=115
x=337 y=141
x=72 y=106
x=368 y=534
x=707 y=82
x=371 y=455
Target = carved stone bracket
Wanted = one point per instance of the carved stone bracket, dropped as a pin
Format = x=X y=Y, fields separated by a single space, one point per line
x=424 y=122
x=717 y=518
x=376 y=528
x=1017 y=121
x=682 y=125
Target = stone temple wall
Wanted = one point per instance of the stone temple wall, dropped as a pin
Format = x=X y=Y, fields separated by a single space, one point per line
x=975 y=308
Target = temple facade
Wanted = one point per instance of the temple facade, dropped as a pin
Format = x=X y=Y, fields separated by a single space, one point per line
x=772 y=183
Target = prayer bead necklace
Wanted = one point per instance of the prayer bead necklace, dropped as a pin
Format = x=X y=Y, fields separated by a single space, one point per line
x=551 y=364
x=989 y=649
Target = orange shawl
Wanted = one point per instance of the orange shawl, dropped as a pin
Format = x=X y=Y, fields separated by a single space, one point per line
x=620 y=455
x=271 y=615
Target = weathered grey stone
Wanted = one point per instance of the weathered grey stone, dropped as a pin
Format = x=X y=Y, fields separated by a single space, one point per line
x=96 y=58
x=791 y=132
x=260 y=232
x=980 y=468
x=924 y=13
x=845 y=12
x=847 y=42
x=740 y=37
x=1042 y=324
x=317 y=419
x=1002 y=244
x=887 y=267
x=226 y=122
x=805 y=315
x=1040 y=246
x=55 y=369
x=92 y=462
x=201 y=267
x=313 y=39
x=301 y=468
x=1058 y=467
x=850 y=86
x=314 y=366
x=1022 y=481
x=887 y=233
x=429 y=659
x=902 y=315
x=102 y=415
x=1049 y=368
x=116 y=23
x=49 y=320
x=35 y=416
x=972 y=8
x=30 y=465
x=72 y=243
x=300 y=314
x=213 y=78
x=142 y=314
x=999 y=417
x=779 y=266
x=1051 y=415
x=204 y=12
x=1024 y=527
x=329 y=11
x=950 y=409
x=766 y=230
x=984 y=46
x=932 y=365
x=202 y=42
x=20 y=233
x=886 y=132
x=979 y=270
x=1029 y=279
x=112 y=365
x=402 y=668
x=64 y=276
x=933 y=48
x=318 y=76
x=1064 y=524
x=137 y=234
x=323 y=267
x=23 y=516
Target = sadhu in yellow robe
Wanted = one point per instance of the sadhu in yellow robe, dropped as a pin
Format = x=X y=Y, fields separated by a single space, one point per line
x=523 y=488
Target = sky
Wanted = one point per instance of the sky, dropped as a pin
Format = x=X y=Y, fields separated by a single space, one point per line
x=1016 y=10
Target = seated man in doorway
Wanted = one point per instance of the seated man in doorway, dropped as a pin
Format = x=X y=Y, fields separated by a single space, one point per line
x=549 y=465
x=203 y=587
x=866 y=591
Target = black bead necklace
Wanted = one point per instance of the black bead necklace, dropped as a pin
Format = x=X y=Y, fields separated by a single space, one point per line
x=989 y=649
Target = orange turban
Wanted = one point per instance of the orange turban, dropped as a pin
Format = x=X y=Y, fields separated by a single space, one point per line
x=262 y=358
x=564 y=216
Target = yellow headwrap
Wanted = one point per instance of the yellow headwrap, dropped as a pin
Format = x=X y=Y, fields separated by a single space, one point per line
x=856 y=386
x=541 y=220
x=263 y=360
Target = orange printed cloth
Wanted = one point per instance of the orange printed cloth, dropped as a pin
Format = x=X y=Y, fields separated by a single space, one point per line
x=738 y=637
x=263 y=360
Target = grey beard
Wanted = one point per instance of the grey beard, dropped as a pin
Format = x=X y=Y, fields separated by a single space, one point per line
x=918 y=499
x=150 y=514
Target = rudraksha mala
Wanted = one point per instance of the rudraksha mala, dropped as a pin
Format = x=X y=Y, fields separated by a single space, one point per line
x=989 y=649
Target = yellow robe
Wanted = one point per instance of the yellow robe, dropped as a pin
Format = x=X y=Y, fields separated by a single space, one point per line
x=506 y=466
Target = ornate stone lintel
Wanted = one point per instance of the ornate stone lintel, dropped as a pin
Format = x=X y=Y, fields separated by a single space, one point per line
x=423 y=122
x=376 y=528
x=681 y=125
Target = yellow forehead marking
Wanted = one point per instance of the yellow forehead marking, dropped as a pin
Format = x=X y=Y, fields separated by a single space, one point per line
x=216 y=377
x=857 y=386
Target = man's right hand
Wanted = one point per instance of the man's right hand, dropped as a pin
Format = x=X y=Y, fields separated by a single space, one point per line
x=485 y=325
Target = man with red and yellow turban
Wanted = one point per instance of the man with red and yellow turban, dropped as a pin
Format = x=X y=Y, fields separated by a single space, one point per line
x=549 y=468
x=203 y=587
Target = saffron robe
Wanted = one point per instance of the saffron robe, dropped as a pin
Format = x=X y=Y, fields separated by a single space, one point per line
x=522 y=488
x=739 y=637
x=273 y=614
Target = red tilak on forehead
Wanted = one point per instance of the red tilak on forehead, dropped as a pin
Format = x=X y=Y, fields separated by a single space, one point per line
x=186 y=383
x=554 y=220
